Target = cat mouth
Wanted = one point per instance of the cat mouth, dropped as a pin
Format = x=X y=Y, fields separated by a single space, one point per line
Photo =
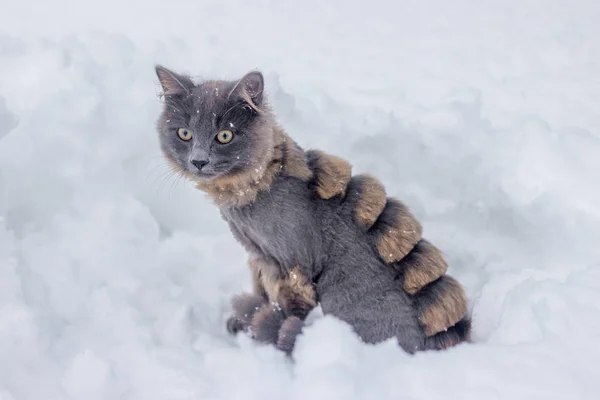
x=209 y=174
x=213 y=171
x=205 y=175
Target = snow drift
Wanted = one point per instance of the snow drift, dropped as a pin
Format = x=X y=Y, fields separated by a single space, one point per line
x=115 y=277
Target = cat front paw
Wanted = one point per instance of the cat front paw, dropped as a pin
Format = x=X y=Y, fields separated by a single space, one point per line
x=234 y=325
x=266 y=323
x=244 y=307
x=288 y=333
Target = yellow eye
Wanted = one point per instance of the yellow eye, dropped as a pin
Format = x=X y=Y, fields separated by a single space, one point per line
x=184 y=134
x=224 y=136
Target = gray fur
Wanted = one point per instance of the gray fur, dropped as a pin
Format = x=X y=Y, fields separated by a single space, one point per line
x=287 y=225
x=290 y=329
x=245 y=307
x=266 y=323
x=205 y=110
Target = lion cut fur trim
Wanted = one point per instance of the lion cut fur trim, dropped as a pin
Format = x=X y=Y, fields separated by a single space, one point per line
x=440 y=305
x=331 y=174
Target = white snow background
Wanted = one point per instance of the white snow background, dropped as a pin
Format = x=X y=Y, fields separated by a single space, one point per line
x=483 y=116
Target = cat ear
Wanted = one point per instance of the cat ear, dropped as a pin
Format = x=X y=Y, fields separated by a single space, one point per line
x=173 y=83
x=250 y=88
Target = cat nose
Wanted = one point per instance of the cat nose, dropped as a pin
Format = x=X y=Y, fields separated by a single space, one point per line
x=199 y=164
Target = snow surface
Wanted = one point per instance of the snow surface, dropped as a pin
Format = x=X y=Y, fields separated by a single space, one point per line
x=115 y=277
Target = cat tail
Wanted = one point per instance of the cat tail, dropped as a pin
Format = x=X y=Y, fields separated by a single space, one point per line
x=396 y=236
x=458 y=333
x=442 y=311
x=439 y=299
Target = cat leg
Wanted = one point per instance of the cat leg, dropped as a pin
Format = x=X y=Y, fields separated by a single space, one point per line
x=246 y=305
x=267 y=322
x=297 y=298
x=296 y=294
x=289 y=331
x=280 y=321
x=274 y=313
x=256 y=316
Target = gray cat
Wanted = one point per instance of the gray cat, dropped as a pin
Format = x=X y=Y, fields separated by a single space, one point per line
x=313 y=232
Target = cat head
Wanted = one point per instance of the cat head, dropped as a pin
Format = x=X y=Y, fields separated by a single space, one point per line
x=215 y=129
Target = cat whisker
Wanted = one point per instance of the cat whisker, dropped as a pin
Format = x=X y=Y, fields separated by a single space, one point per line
x=157 y=167
x=162 y=174
x=174 y=183
x=152 y=169
x=180 y=176
x=166 y=176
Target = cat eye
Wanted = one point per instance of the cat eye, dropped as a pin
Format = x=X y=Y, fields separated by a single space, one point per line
x=224 y=136
x=184 y=134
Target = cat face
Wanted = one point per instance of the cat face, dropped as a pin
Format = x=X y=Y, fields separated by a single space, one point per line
x=215 y=128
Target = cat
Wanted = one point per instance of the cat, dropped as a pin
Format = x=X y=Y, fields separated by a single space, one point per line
x=314 y=233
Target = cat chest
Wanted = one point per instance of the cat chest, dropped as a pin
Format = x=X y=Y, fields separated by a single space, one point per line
x=287 y=233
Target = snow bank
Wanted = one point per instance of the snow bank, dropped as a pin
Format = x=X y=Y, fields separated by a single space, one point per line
x=115 y=277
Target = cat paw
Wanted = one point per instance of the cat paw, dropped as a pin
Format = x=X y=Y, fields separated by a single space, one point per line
x=289 y=331
x=244 y=307
x=267 y=322
x=234 y=325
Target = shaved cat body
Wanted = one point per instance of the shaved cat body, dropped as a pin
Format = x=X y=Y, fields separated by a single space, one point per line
x=288 y=226
x=314 y=233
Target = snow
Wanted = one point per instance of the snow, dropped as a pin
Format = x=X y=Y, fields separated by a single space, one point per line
x=115 y=275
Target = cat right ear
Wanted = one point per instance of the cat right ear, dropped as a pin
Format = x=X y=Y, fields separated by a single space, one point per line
x=250 y=88
x=172 y=83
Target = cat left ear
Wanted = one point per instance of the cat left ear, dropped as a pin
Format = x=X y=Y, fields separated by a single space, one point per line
x=250 y=88
x=173 y=83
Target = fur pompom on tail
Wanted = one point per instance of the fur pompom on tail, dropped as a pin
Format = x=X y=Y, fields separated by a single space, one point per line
x=423 y=265
x=460 y=332
x=440 y=305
